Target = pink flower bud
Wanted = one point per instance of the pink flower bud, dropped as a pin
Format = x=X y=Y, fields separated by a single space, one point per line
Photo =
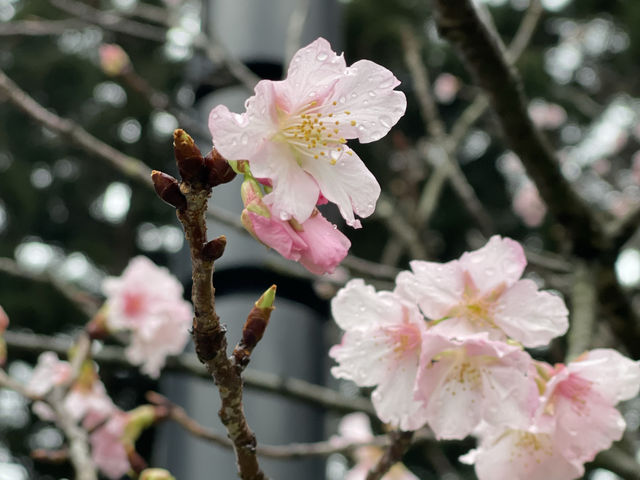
x=113 y=59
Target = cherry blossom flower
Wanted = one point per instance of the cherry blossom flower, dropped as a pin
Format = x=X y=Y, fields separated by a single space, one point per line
x=354 y=428
x=527 y=454
x=482 y=292
x=107 y=448
x=294 y=132
x=380 y=347
x=464 y=382
x=147 y=301
x=581 y=397
x=49 y=371
x=316 y=243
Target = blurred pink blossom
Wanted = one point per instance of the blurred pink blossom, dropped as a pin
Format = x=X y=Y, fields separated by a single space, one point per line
x=446 y=87
x=482 y=292
x=107 y=447
x=380 y=348
x=113 y=59
x=146 y=300
x=49 y=372
x=528 y=205
x=294 y=132
x=546 y=115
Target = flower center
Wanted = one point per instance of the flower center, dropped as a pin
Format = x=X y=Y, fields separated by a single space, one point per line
x=314 y=133
x=133 y=304
x=404 y=337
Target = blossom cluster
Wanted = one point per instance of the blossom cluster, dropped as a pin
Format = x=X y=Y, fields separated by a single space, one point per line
x=88 y=403
x=292 y=139
x=446 y=349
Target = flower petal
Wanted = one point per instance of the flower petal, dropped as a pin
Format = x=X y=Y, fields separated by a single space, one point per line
x=531 y=317
x=500 y=261
x=294 y=192
x=365 y=103
x=240 y=137
x=435 y=287
x=327 y=245
x=613 y=375
x=348 y=184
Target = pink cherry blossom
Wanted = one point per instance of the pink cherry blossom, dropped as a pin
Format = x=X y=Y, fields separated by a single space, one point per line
x=464 y=382
x=528 y=205
x=380 y=347
x=49 y=372
x=107 y=448
x=482 y=292
x=89 y=403
x=147 y=301
x=294 y=132
x=356 y=427
x=581 y=397
x=526 y=454
x=316 y=243
x=4 y=323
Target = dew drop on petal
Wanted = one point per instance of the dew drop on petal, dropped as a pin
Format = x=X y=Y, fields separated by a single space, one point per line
x=385 y=121
x=321 y=57
x=244 y=139
x=354 y=95
x=372 y=93
x=387 y=83
x=342 y=100
x=284 y=216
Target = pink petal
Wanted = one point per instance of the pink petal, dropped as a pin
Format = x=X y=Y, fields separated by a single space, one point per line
x=359 y=350
x=312 y=71
x=359 y=306
x=239 y=137
x=294 y=192
x=587 y=427
x=500 y=262
x=613 y=375
x=367 y=93
x=531 y=317
x=435 y=287
x=348 y=184
x=278 y=235
x=327 y=246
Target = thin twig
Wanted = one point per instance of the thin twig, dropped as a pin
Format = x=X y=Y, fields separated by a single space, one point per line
x=37 y=28
x=289 y=451
x=400 y=443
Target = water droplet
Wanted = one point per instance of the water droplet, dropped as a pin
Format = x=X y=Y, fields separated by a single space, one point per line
x=215 y=116
x=284 y=216
x=234 y=142
x=365 y=102
x=244 y=139
x=361 y=128
x=322 y=57
x=354 y=95
x=372 y=93
x=342 y=100
x=385 y=121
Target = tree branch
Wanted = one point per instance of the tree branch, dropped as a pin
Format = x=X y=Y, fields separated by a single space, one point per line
x=400 y=443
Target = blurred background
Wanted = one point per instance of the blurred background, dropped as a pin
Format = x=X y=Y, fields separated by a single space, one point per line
x=68 y=217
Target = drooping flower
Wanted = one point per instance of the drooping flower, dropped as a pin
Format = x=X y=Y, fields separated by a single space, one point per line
x=316 y=243
x=466 y=381
x=482 y=292
x=294 y=132
x=380 y=347
x=356 y=427
x=147 y=301
x=581 y=397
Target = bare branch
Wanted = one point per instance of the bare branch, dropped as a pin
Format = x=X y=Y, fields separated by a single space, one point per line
x=584 y=309
x=481 y=49
x=37 y=28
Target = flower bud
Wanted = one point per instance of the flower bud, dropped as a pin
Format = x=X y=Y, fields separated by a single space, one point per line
x=155 y=474
x=188 y=157
x=255 y=326
x=113 y=59
x=168 y=189
x=250 y=191
x=217 y=169
x=213 y=249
